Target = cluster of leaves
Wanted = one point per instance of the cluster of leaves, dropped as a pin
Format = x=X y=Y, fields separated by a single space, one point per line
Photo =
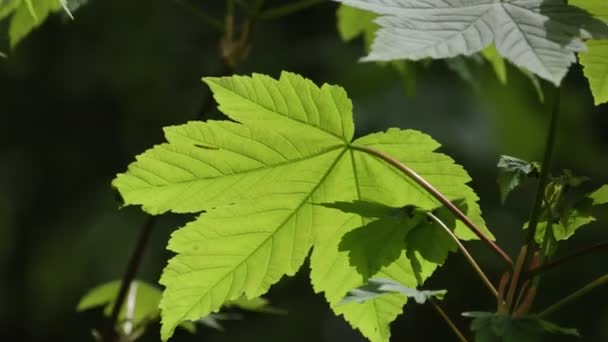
x=562 y=214
x=26 y=15
x=540 y=36
x=282 y=179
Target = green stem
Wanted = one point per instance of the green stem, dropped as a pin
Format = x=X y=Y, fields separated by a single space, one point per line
x=438 y=195
x=290 y=8
x=132 y=268
x=598 y=282
x=230 y=8
x=207 y=19
x=467 y=255
x=544 y=172
x=557 y=262
x=447 y=319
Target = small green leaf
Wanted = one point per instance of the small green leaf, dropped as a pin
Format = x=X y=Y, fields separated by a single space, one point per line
x=512 y=172
x=498 y=63
x=600 y=196
x=353 y=22
x=376 y=287
x=29 y=15
x=569 y=220
x=213 y=321
x=140 y=307
x=494 y=327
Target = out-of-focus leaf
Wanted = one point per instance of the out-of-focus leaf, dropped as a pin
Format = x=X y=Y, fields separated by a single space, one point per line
x=539 y=35
x=258 y=304
x=494 y=327
x=498 y=63
x=600 y=196
x=141 y=302
x=7 y=7
x=353 y=22
x=595 y=63
x=512 y=172
x=28 y=16
x=598 y=8
x=376 y=287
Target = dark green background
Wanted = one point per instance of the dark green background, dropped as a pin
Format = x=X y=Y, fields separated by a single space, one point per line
x=80 y=99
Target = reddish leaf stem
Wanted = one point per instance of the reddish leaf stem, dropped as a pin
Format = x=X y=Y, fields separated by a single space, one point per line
x=439 y=196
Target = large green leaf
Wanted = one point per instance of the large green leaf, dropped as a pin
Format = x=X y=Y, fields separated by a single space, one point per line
x=260 y=181
x=539 y=35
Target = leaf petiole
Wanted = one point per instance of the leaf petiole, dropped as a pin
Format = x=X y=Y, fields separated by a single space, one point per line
x=449 y=322
x=467 y=255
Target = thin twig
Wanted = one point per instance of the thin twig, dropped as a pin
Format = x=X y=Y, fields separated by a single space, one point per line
x=597 y=282
x=562 y=260
x=467 y=255
x=439 y=196
x=206 y=18
x=132 y=267
x=288 y=9
x=447 y=319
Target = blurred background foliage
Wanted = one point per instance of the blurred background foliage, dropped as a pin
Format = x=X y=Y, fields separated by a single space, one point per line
x=81 y=98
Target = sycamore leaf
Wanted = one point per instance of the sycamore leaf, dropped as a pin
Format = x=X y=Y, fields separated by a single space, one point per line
x=512 y=172
x=260 y=180
x=539 y=35
x=493 y=327
x=376 y=287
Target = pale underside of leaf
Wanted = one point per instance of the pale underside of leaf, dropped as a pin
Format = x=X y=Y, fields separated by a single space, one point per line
x=538 y=35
